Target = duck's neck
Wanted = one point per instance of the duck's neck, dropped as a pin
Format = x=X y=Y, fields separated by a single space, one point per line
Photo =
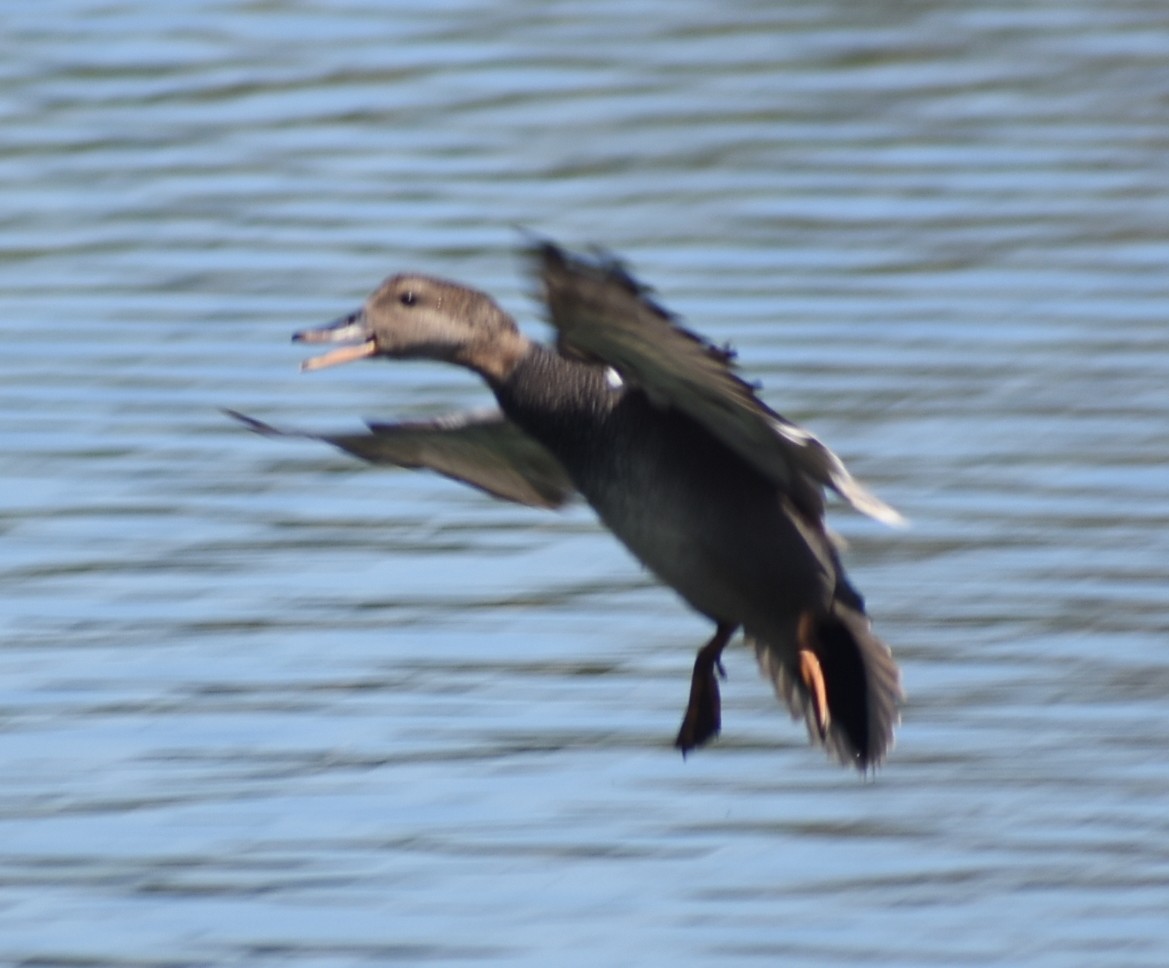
x=495 y=360
x=552 y=397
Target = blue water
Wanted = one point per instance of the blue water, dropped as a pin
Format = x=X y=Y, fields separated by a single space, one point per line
x=260 y=705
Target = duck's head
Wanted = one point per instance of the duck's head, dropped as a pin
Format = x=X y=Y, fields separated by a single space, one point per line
x=419 y=317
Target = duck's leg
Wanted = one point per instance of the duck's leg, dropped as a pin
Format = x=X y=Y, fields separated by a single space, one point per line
x=703 y=717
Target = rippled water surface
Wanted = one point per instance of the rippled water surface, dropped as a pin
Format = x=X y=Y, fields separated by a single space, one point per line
x=260 y=705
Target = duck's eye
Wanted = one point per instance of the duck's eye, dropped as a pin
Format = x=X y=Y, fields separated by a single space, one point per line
x=408 y=298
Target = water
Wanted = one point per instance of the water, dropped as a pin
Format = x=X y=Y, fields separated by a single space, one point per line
x=263 y=706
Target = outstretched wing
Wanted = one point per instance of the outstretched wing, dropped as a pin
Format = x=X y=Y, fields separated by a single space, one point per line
x=602 y=313
x=483 y=449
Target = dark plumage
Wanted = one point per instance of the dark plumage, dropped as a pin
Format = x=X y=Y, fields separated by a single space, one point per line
x=715 y=493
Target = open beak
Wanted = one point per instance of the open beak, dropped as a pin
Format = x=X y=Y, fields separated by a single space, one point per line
x=350 y=330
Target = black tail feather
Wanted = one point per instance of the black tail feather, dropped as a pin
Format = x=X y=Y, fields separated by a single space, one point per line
x=856 y=676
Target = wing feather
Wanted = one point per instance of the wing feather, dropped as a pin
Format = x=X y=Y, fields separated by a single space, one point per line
x=602 y=313
x=483 y=449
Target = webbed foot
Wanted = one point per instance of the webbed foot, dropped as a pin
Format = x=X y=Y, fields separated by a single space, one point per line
x=703 y=718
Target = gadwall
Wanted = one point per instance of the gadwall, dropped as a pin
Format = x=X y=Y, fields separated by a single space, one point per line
x=712 y=491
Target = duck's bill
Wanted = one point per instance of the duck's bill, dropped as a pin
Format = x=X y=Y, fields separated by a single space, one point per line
x=350 y=330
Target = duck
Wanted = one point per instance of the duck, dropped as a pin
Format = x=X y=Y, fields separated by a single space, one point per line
x=711 y=490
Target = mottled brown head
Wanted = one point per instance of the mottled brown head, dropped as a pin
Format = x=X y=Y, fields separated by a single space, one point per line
x=419 y=317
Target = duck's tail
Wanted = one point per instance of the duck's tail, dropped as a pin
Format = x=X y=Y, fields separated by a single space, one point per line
x=841 y=679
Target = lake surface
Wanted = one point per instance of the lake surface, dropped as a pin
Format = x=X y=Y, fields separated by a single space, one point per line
x=261 y=705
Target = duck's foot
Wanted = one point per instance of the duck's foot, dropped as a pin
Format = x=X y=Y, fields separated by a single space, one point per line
x=703 y=718
x=812 y=673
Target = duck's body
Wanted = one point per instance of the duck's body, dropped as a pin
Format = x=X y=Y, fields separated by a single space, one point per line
x=691 y=510
x=714 y=493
